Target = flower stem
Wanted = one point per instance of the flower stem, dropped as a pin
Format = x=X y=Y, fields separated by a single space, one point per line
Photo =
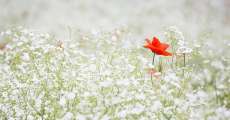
x=153 y=58
x=152 y=68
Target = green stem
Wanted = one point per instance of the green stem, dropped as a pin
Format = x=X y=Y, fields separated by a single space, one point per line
x=151 y=71
x=153 y=58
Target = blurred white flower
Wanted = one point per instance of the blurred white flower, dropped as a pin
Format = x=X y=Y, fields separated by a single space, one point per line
x=173 y=33
x=217 y=64
x=106 y=83
x=25 y=57
x=91 y=81
x=157 y=105
x=183 y=50
x=137 y=109
x=122 y=114
x=181 y=43
x=68 y=116
x=62 y=101
x=70 y=95
x=30 y=117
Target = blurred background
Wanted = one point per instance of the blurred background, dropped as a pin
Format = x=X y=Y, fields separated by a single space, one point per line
x=143 y=17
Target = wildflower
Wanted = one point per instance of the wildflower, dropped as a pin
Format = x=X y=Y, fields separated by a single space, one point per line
x=157 y=47
x=70 y=96
x=26 y=57
x=183 y=50
x=174 y=32
x=68 y=116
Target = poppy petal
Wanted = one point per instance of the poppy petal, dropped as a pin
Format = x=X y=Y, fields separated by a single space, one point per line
x=157 y=47
x=148 y=46
x=148 y=41
x=155 y=41
x=164 y=46
x=165 y=53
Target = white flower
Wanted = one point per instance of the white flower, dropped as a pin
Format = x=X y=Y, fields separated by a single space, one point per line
x=68 y=116
x=70 y=95
x=105 y=83
x=140 y=96
x=222 y=113
x=124 y=82
x=92 y=67
x=106 y=117
x=175 y=33
x=30 y=117
x=137 y=109
x=181 y=43
x=184 y=50
x=217 y=64
x=122 y=113
x=157 y=105
x=25 y=57
x=62 y=101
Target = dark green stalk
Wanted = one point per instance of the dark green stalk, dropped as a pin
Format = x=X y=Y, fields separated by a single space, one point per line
x=153 y=58
x=153 y=65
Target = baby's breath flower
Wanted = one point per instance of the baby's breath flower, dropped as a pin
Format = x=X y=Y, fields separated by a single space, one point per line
x=68 y=116
x=25 y=57
x=172 y=33
x=98 y=78
x=184 y=50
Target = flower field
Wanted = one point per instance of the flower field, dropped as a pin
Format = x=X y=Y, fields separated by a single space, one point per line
x=125 y=72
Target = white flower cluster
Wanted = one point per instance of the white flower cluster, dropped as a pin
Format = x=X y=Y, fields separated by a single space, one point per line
x=177 y=40
x=183 y=50
x=94 y=77
x=174 y=34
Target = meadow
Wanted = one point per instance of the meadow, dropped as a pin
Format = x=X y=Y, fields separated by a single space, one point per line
x=107 y=73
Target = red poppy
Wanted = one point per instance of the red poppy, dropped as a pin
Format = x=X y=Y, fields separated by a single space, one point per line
x=157 y=47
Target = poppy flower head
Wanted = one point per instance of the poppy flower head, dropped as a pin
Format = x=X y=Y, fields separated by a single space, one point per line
x=157 y=47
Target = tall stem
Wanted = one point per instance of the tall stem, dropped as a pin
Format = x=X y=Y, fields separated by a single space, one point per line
x=153 y=65
x=153 y=58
